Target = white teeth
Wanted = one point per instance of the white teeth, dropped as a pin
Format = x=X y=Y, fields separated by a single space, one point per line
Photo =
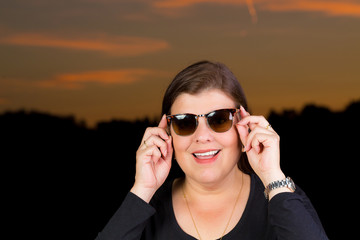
x=205 y=154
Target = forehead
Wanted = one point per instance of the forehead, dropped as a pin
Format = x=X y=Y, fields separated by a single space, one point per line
x=203 y=102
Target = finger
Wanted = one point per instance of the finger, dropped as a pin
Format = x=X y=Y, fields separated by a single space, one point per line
x=254 y=121
x=254 y=132
x=157 y=141
x=153 y=154
x=243 y=130
x=157 y=131
x=145 y=155
x=243 y=133
x=163 y=164
x=259 y=142
x=243 y=112
x=260 y=139
x=163 y=122
x=169 y=149
x=168 y=158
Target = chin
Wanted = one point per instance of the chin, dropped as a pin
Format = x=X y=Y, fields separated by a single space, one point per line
x=208 y=177
x=207 y=172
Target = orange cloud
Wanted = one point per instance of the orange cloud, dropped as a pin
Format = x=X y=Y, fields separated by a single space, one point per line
x=171 y=4
x=114 y=45
x=252 y=10
x=331 y=7
x=186 y=3
x=105 y=77
x=334 y=8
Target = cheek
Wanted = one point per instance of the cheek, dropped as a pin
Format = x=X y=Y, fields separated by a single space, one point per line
x=231 y=145
x=180 y=144
x=230 y=139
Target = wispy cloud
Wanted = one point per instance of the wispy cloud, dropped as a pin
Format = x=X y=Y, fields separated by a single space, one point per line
x=332 y=7
x=186 y=3
x=113 y=45
x=103 y=77
x=172 y=4
x=252 y=11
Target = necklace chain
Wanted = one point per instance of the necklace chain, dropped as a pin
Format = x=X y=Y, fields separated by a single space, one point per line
x=232 y=212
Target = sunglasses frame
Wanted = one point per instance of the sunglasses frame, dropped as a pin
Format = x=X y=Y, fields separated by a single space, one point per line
x=232 y=111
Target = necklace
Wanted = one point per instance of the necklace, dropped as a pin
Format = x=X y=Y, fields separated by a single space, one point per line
x=232 y=212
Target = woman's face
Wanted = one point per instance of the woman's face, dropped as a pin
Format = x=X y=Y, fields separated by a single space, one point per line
x=206 y=156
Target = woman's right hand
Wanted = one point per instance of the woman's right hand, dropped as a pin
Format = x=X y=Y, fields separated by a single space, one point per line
x=153 y=161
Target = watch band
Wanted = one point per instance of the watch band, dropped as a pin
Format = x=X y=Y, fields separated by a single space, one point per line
x=287 y=182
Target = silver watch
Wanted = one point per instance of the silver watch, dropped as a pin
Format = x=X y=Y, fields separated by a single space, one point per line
x=287 y=182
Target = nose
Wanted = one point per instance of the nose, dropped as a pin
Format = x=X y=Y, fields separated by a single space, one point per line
x=203 y=133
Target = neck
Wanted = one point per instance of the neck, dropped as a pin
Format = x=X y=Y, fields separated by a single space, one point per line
x=228 y=185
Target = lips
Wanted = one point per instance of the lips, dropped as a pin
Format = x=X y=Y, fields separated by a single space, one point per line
x=206 y=156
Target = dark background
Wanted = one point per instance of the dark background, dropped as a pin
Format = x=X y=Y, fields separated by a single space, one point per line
x=62 y=180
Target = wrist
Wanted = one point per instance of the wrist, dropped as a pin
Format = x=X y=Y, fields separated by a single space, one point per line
x=275 y=176
x=279 y=186
x=144 y=193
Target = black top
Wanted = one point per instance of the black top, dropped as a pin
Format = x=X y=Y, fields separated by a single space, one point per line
x=286 y=216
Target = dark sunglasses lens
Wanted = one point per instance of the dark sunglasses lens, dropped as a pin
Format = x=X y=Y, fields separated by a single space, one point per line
x=220 y=121
x=184 y=124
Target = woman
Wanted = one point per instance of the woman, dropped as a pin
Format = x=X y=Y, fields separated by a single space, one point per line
x=233 y=187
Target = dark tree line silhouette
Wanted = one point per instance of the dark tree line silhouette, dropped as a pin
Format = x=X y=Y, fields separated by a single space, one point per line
x=62 y=180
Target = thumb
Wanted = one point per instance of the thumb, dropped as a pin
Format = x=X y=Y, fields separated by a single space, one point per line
x=169 y=149
x=243 y=133
x=163 y=122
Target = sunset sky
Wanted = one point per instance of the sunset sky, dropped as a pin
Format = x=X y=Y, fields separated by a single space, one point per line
x=105 y=59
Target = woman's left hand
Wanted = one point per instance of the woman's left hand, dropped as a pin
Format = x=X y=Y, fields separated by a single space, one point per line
x=261 y=145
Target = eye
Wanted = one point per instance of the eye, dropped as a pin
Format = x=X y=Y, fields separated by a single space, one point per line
x=219 y=117
x=184 y=124
x=220 y=121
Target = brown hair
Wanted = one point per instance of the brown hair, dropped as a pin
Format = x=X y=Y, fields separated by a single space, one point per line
x=202 y=76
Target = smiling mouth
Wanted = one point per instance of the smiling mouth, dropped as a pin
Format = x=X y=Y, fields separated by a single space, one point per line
x=206 y=155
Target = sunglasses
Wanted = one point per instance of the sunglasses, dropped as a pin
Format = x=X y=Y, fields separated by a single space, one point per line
x=219 y=121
